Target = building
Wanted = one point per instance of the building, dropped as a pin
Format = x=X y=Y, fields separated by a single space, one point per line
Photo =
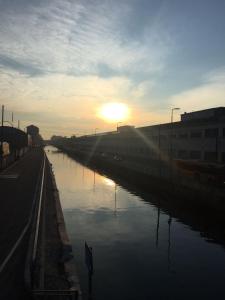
x=32 y=130
x=199 y=136
x=33 y=136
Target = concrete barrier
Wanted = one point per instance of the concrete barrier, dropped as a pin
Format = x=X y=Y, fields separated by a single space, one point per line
x=67 y=251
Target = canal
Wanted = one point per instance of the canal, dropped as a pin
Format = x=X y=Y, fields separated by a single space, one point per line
x=140 y=250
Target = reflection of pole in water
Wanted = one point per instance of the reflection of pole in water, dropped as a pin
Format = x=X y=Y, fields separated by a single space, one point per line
x=169 y=243
x=83 y=175
x=157 y=228
x=89 y=264
x=94 y=182
x=89 y=286
x=115 y=208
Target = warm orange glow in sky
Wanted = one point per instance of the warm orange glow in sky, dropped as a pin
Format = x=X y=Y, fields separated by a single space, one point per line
x=114 y=112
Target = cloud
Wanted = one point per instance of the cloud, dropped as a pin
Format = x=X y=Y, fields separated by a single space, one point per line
x=209 y=94
x=78 y=38
x=64 y=100
x=22 y=67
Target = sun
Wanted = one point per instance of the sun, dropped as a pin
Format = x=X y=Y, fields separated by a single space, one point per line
x=114 y=112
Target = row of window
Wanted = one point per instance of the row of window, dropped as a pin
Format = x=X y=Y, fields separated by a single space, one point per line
x=208 y=133
x=210 y=156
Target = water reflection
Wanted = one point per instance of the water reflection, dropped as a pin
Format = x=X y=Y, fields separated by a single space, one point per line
x=141 y=248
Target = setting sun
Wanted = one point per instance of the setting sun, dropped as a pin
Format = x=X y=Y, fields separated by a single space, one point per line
x=114 y=112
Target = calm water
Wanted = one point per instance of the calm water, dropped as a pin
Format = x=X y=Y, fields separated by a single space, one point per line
x=139 y=251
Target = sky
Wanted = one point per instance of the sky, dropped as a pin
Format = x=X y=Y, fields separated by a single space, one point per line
x=61 y=60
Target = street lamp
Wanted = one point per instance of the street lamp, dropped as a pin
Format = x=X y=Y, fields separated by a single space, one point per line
x=172 y=110
x=171 y=133
x=171 y=138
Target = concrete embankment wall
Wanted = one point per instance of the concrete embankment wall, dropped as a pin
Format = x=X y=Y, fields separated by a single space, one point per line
x=67 y=254
x=161 y=178
x=53 y=272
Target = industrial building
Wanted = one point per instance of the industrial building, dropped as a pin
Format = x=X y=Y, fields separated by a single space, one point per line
x=199 y=136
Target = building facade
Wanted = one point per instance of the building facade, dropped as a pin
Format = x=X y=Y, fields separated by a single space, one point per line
x=199 y=136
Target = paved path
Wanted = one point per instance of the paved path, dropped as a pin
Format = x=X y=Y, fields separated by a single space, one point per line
x=17 y=188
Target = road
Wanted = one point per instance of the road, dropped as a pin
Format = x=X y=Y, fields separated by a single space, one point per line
x=17 y=189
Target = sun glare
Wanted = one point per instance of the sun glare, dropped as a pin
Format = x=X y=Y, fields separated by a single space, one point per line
x=114 y=112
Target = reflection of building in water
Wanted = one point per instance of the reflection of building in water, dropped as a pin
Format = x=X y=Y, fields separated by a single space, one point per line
x=108 y=181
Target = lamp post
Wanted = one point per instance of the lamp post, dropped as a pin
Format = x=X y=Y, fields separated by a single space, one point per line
x=171 y=142
x=171 y=133
x=172 y=110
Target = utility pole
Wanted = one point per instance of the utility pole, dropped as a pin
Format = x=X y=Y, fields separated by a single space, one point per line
x=3 y=108
x=2 y=138
x=18 y=124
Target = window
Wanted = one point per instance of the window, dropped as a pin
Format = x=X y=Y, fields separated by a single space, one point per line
x=183 y=135
x=211 y=132
x=194 y=154
x=183 y=154
x=196 y=134
x=162 y=137
x=210 y=156
x=174 y=153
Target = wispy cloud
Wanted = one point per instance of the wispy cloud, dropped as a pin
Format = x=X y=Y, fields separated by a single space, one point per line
x=78 y=38
x=20 y=66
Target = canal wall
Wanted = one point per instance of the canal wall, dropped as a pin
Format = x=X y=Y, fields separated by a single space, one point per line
x=67 y=257
x=51 y=272
x=172 y=182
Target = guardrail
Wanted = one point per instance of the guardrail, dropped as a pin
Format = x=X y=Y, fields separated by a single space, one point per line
x=55 y=294
x=34 y=228
x=32 y=254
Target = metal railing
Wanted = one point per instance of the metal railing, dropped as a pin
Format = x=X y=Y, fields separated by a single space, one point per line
x=56 y=294
x=32 y=256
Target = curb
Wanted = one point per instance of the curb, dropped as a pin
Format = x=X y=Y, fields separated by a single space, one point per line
x=67 y=250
